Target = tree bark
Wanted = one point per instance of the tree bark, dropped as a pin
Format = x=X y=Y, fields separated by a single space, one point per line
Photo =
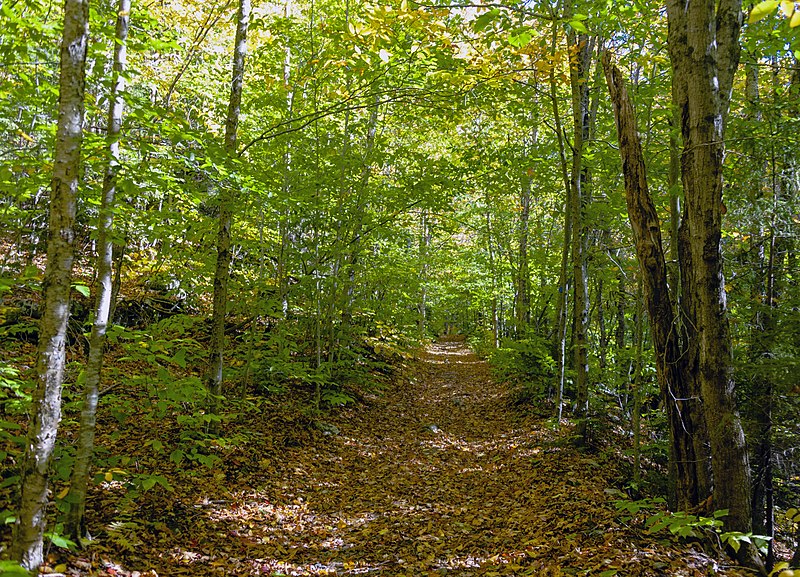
x=27 y=546
x=424 y=243
x=563 y=275
x=523 y=305
x=493 y=273
x=636 y=418
x=646 y=228
x=79 y=478
x=704 y=51
x=227 y=199
x=283 y=218
x=580 y=64
x=623 y=369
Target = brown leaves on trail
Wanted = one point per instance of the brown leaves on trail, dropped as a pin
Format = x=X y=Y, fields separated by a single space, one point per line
x=436 y=478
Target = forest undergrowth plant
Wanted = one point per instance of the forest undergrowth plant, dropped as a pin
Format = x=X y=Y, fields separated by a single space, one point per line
x=652 y=515
x=526 y=364
x=481 y=341
x=282 y=364
x=12 y=569
x=791 y=524
x=15 y=395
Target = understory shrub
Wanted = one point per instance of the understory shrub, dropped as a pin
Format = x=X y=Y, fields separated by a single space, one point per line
x=527 y=364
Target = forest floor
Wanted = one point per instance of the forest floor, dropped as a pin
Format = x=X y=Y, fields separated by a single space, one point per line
x=437 y=476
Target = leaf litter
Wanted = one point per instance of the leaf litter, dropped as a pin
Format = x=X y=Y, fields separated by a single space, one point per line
x=435 y=477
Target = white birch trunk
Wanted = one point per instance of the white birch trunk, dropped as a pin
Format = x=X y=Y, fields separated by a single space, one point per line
x=46 y=408
x=79 y=479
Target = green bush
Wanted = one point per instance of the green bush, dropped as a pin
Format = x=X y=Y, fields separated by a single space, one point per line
x=527 y=364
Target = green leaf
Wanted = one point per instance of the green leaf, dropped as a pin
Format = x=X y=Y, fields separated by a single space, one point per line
x=15 y=427
x=60 y=541
x=734 y=544
x=761 y=10
x=179 y=358
x=521 y=39
x=163 y=374
x=778 y=568
x=9 y=482
x=11 y=568
x=157 y=445
x=579 y=26
x=83 y=289
x=176 y=456
x=485 y=19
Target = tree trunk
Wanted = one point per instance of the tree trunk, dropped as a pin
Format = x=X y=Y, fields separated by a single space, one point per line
x=523 y=291
x=761 y=319
x=636 y=419
x=27 y=546
x=646 y=229
x=580 y=65
x=674 y=183
x=704 y=49
x=79 y=478
x=227 y=199
x=283 y=218
x=424 y=242
x=603 y=340
x=623 y=369
x=563 y=275
x=493 y=273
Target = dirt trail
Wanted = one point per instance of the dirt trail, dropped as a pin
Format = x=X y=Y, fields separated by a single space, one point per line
x=434 y=478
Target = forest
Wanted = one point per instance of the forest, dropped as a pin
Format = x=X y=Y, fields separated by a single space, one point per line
x=316 y=287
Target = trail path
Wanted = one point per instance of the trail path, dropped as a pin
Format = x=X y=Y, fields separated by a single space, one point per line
x=435 y=478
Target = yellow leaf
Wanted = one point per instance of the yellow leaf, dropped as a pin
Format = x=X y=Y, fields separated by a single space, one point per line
x=63 y=493
x=787 y=7
x=761 y=10
x=27 y=137
x=778 y=568
x=795 y=21
x=109 y=476
x=62 y=568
